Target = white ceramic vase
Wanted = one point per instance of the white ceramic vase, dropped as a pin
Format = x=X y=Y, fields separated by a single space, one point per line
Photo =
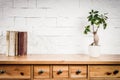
x=94 y=51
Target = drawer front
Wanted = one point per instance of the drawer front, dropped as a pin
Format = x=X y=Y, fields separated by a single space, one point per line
x=41 y=71
x=14 y=71
x=60 y=71
x=78 y=71
x=105 y=71
x=104 y=78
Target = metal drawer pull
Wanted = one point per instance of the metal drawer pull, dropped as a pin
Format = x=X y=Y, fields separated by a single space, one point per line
x=78 y=72
x=40 y=72
x=115 y=72
x=59 y=72
x=2 y=71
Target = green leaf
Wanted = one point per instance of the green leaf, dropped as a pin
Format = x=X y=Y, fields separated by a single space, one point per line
x=105 y=17
x=92 y=21
x=96 y=16
x=96 y=11
x=87 y=29
x=96 y=19
x=85 y=32
x=89 y=18
x=92 y=10
x=90 y=13
x=104 y=26
x=103 y=21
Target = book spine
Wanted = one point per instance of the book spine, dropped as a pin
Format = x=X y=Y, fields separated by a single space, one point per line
x=7 y=42
x=16 y=43
x=12 y=44
x=22 y=43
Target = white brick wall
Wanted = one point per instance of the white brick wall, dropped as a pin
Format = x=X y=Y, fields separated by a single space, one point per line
x=6 y=3
x=20 y=3
x=56 y=26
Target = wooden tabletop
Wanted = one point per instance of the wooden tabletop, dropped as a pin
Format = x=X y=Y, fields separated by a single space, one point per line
x=60 y=59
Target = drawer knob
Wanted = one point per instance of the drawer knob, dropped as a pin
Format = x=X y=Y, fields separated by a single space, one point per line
x=78 y=72
x=40 y=72
x=59 y=72
x=115 y=72
x=108 y=73
x=2 y=71
x=21 y=73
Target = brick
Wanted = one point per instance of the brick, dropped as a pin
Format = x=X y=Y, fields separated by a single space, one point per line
x=69 y=12
x=1 y=12
x=6 y=3
x=34 y=22
x=41 y=22
x=50 y=21
x=67 y=49
x=20 y=23
x=43 y=44
x=32 y=4
x=2 y=41
x=67 y=4
x=67 y=8
x=20 y=3
x=6 y=22
x=24 y=12
x=108 y=6
x=46 y=4
x=57 y=25
x=2 y=49
x=68 y=22
x=85 y=6
x=48 y=45
x=56 y=31
x=113 y=23
x=67 y=40
x=110 y=50
x=51 y=13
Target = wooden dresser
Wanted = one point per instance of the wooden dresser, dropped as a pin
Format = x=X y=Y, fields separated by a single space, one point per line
x=60 y=67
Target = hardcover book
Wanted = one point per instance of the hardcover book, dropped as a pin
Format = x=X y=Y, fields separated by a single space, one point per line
x=11 y=43
x=16 y=43
x=22 y=43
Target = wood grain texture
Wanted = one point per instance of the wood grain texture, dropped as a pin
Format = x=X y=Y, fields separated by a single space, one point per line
x=63 y=68
x=61 y=79
x=104 y=79
x=44 y=68
x=15 y=71
x=105 y=71
x=74 y=69
x=15 y=79
x=101 y=68
x=60 y=59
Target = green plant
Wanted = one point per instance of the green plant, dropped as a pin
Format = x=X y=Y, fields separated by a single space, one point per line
x=96 y=20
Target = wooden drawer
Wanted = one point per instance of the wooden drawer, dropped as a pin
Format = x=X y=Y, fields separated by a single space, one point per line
x=78 y=71
x=14 y=71
x=105 y=78
x=60 y=71
x=105 y=71
x=42 y=71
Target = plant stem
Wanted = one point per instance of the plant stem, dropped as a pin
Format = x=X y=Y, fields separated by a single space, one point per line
x=93 y=27
x=97 y=29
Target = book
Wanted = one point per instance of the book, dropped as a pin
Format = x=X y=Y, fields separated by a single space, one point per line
x=16 y=43
x=22 y=43
x=10 y=43
x=7 y=42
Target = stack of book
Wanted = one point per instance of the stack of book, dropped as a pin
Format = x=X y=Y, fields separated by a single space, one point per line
x=16 y=43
